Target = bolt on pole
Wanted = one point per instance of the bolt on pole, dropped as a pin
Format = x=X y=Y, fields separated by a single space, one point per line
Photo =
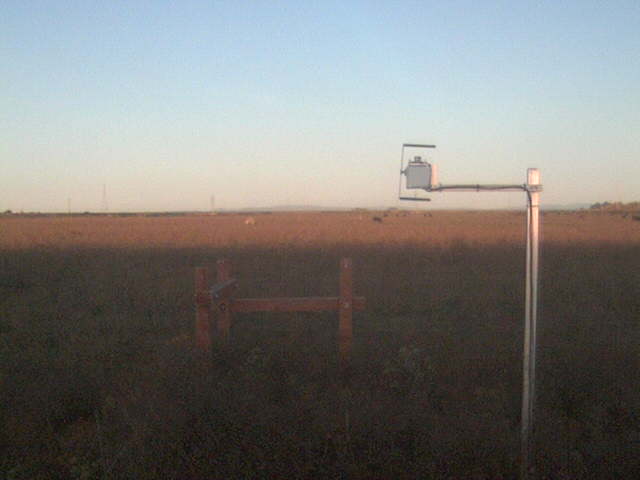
x=527 y=466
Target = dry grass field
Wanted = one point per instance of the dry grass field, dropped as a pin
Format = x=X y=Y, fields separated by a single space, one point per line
x=98 y=379
x=398 y=228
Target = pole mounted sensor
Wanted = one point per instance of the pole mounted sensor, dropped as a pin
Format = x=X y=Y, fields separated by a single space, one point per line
x=417 y=173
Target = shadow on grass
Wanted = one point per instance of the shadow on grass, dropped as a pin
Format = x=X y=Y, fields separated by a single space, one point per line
x=98 y=378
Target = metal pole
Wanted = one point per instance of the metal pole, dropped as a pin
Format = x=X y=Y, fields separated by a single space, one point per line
x=532 y=189
x=527 y=466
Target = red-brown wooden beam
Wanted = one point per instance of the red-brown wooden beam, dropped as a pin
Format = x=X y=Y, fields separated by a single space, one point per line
x=220 y=299
x=345 y=314
x=203 y=310
x=223 y=304
x=294 y=304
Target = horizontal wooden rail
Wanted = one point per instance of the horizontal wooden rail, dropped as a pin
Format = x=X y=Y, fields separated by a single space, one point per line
x=296 y=304
x=219 y=299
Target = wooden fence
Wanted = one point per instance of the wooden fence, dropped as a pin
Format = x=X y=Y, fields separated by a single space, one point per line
x=216 y=304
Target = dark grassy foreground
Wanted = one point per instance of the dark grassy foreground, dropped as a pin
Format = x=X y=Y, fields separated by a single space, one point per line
x=97 y=380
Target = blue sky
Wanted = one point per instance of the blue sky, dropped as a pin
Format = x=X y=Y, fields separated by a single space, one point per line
x=267 y=103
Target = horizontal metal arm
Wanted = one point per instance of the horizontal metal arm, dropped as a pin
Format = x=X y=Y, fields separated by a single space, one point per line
x=485 y=188
x=417 y=145
x=416 y=199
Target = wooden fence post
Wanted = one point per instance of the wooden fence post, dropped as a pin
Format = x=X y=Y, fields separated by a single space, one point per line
x=217 y=303
x=223 y=305
x=345 y=326
x=203 y=310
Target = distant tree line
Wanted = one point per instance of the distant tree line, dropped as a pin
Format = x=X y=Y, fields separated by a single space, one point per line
x=616 y=206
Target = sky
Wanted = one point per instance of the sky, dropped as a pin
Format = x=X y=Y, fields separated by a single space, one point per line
x=164 y=104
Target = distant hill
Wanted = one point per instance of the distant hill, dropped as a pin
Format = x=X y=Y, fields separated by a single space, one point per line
x=290 y=208
x=605 y=206
x=616 y=206
x=565 y=206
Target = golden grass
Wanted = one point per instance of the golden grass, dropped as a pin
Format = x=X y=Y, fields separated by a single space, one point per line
x=438 y=228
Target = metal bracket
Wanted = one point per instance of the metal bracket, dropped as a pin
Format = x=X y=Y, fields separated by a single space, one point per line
x=417 y=145
x=415 y=199
x=221 y=289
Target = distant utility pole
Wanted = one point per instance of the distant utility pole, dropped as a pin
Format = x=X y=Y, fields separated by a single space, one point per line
x=213 y=203
x=105 y=205
x=69 y=206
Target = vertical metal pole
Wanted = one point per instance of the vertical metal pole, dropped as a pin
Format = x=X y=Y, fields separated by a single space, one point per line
x=527 y=466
